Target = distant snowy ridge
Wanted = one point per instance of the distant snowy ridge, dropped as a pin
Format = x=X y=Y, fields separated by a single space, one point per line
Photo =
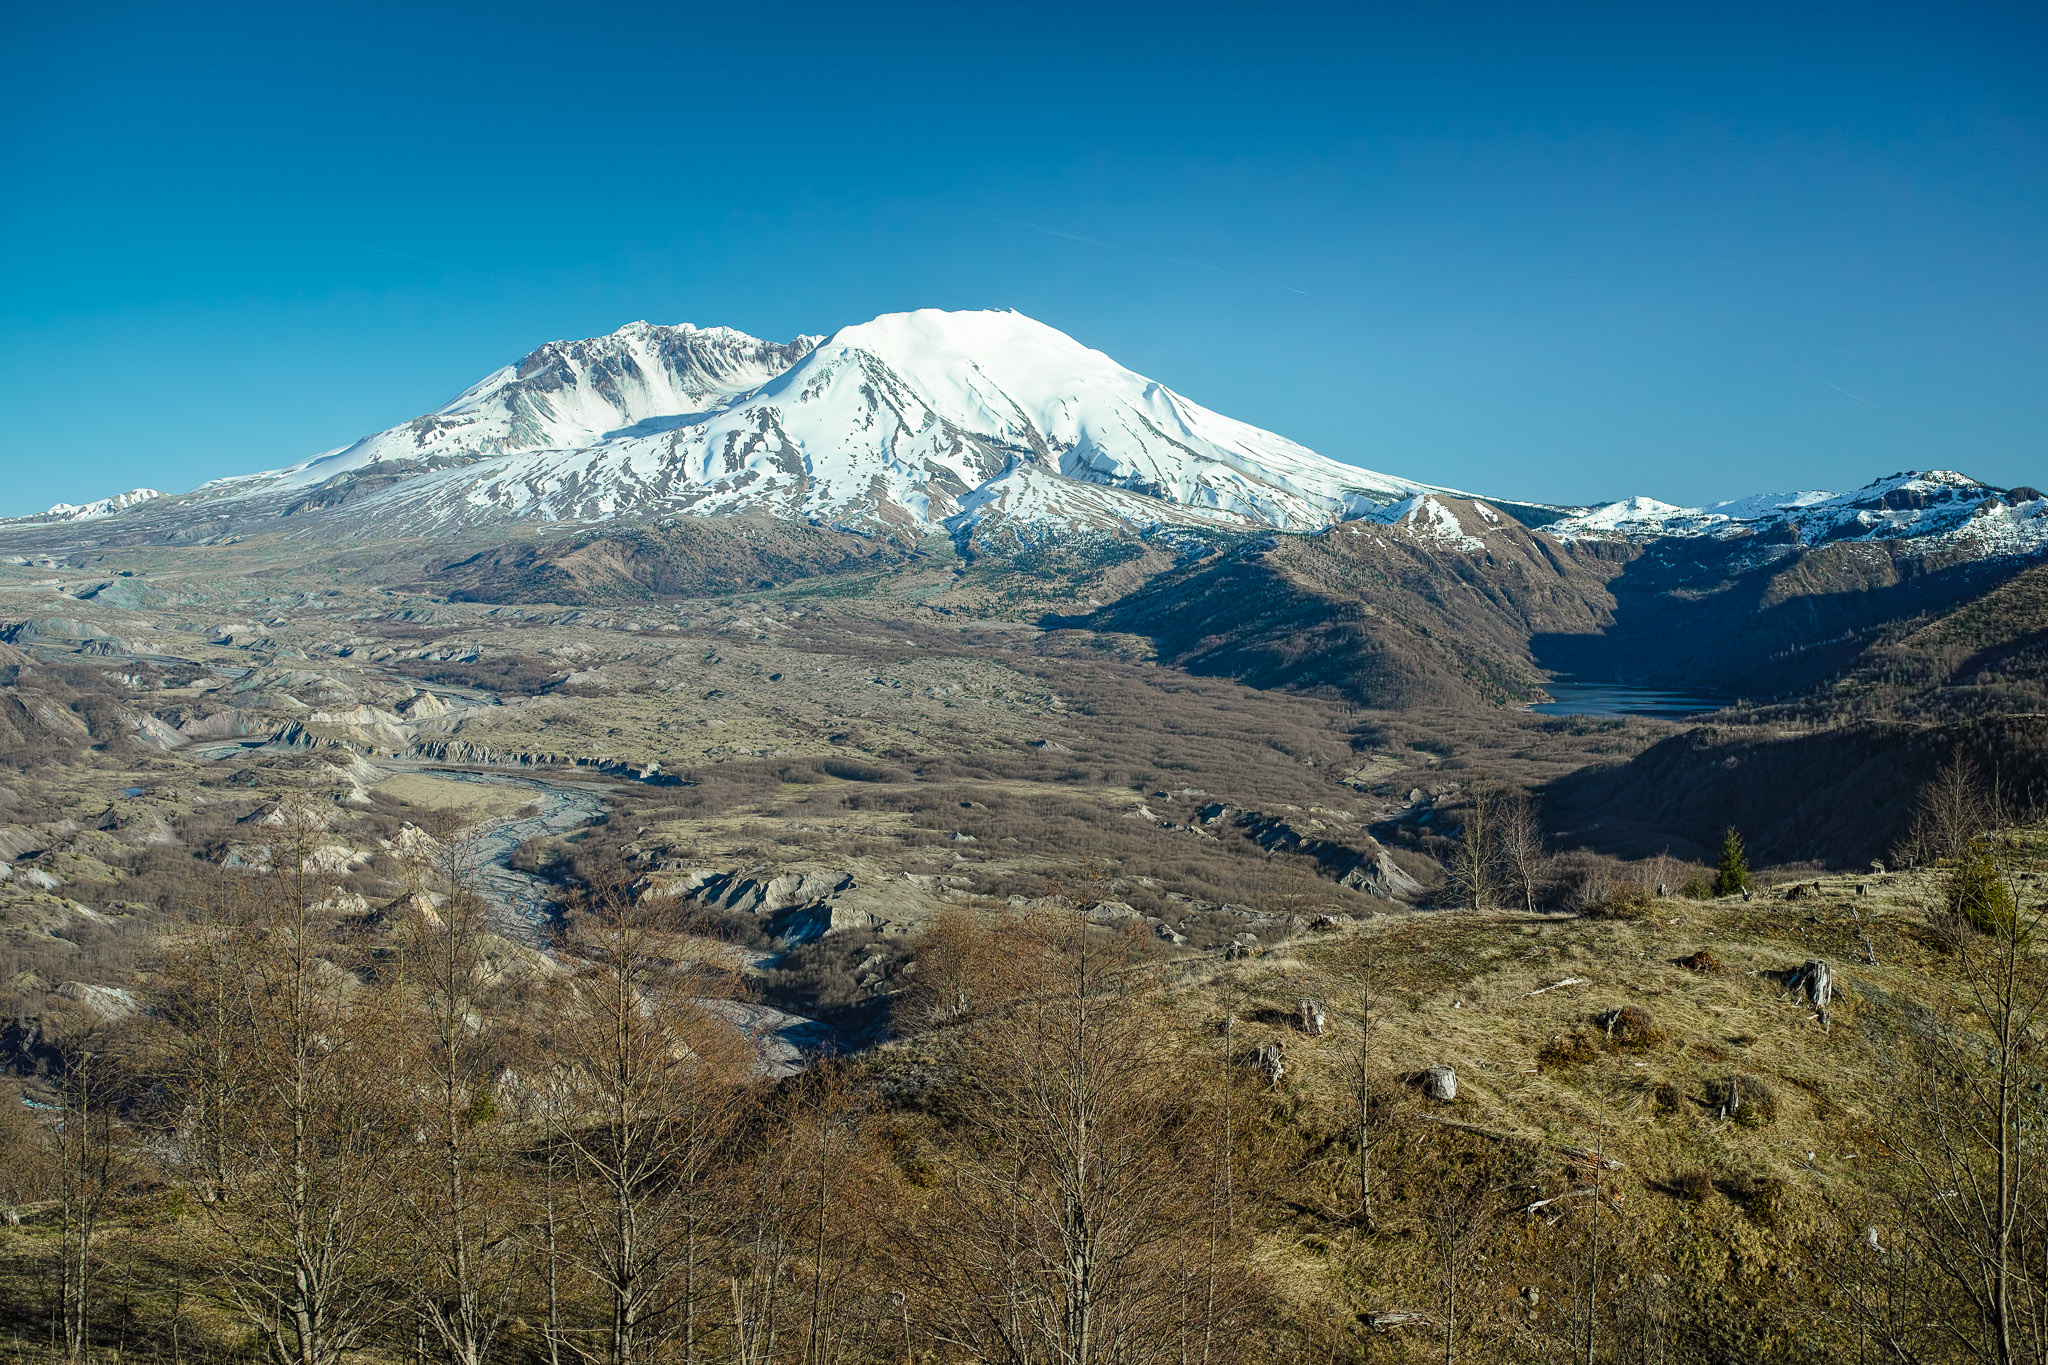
x=93 y=511
x=1937 y=505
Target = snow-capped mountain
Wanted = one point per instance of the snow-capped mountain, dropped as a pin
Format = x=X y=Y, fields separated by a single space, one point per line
x=1937 y=505
x=961 y=421
x=93 y=511
x=914 y=419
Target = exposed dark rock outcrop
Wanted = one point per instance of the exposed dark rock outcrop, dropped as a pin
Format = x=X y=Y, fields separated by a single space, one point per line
x=1361 y=864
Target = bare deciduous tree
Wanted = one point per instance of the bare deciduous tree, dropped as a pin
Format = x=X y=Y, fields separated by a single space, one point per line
x=200 y=1006
x=89 y=1164
x=1524 y=862
x=313 y=1130
x=468 y=1258
x=1964 y=1147
x=1477 y=861
x=1955 y=808
x=1458 y=1222
x=965 y=962
x=1069 y=1215
x=652 y=1070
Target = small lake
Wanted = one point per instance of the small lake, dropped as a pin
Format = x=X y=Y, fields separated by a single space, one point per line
x=1619 y=699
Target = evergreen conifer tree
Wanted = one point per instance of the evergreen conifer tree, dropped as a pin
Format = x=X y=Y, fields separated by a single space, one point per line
x=1977 y=892
x=1733 y=875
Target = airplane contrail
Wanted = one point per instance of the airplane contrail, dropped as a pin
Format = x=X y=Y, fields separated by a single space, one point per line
x=1836 y=387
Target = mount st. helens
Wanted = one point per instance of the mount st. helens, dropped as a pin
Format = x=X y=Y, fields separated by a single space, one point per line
x=916 y=422
x=929 y=421
x=976 y=482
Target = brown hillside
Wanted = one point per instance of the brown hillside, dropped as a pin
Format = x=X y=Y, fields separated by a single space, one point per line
x=693 y=557
x=1695 y=614
x=1381 y=615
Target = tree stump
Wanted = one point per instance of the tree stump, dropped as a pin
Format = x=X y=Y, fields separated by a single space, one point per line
x=1440 y=1083
x=1314 y=1019
x=1816 y=981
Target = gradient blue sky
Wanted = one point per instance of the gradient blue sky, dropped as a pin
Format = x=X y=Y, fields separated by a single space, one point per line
x=1560 y=253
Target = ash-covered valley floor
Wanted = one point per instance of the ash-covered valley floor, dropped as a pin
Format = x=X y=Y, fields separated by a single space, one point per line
x=818 y=769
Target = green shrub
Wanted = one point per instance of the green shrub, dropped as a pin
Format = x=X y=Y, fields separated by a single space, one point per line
x=1694 y=1187
x=1765 y=1199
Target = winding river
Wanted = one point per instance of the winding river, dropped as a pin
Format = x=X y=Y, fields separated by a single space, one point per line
x=525 y=900
x=786 y=1042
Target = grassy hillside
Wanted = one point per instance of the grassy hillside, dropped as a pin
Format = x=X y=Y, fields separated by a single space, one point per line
x=1657 y=1145
x=1727 y=1225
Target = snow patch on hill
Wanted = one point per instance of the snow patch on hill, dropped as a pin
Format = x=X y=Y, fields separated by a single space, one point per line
x=1427 y=518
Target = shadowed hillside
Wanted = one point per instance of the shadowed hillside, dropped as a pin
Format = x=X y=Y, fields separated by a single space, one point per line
x=1838 y=797
x=1987 y=657
x=1384 y=616
x=1689 y=613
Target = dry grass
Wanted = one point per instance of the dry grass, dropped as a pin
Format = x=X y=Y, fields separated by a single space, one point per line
x=1482 y=994
x=466 y=801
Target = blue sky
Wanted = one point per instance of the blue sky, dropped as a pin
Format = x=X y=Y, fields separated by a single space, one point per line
x=1690 y=251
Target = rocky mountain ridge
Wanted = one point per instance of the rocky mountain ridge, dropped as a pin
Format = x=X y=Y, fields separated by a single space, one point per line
x=93 y=511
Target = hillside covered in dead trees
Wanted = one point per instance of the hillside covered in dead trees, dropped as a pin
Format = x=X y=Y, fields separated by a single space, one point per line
x=1792 y=1121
